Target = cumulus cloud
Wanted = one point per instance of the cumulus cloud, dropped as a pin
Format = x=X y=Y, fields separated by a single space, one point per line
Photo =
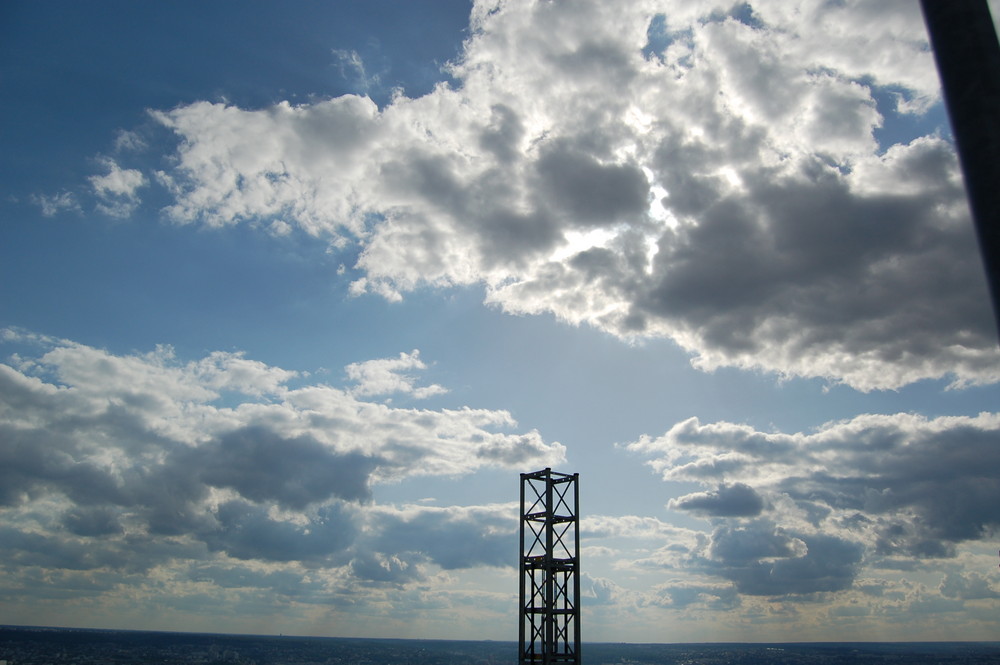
x=385 y=376
x=684 y=595
x=971 y=586
x=872 y=490
x=247 y=531
x=762 y=560
x=737 y=500
x=293 y=472
x=147 y=462
x=403 y=540
x=694 y=171
x=118 y=189
x=598 y=591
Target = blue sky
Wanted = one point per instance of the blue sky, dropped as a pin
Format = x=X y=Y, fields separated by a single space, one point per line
x=291 y=294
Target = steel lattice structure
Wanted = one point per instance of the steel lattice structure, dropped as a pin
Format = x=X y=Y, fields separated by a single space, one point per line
x=550 y=565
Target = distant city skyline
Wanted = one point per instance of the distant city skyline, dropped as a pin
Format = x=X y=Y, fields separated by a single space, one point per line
x=290 y=295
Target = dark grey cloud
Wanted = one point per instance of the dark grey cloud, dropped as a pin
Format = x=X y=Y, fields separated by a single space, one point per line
x=914 y=486
x=246 y=531
x=805 y=265
x=737 y=546
x=165 y=496
x=23 y=465
x=968 y=586
x=595 y=60
x=294 y=472
x=377 y=568
x=910 y=538
x=711 y=470
x=397 y=545
x=37 y=462
x=451 y=538
x=711 y=597
x=937 y=475
x=436 y=185
x=514 y=236
x=504 y=134
x=764 y=561
x=25 y=548
x=682 y=167
x=99 y=521
x=589 y=192
x=736 y=500
x=893 y=492
x=284 y=582
x=33 y=461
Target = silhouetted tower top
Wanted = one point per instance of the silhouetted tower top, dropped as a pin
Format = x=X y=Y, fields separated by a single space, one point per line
x=549 y=613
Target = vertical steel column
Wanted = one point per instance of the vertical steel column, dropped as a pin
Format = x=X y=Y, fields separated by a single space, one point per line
x=576 y=574
x=521 y=594
x=548 y=618
x=549 y=612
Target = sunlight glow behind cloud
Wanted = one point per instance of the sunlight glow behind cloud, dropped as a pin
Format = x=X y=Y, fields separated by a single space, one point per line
x=740 y=157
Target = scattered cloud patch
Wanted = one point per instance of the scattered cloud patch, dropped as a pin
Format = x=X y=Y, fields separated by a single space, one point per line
x=129 y=141
x=52 y=205
x=351 y=68
x=386 y=376
x=118 y=189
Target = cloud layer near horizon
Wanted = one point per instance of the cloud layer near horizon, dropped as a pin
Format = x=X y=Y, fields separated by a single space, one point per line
x=851 y=515
x=144 y=463
x=700 y=172
x=217 y=480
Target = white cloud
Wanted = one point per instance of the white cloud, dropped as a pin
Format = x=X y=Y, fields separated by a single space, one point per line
x=222 y=370
x=299 y=162
x=634 y=526
x=780 y=238
x=385 y=376
x=118 y=188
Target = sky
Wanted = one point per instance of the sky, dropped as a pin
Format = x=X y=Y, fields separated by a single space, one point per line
x=291 y=293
